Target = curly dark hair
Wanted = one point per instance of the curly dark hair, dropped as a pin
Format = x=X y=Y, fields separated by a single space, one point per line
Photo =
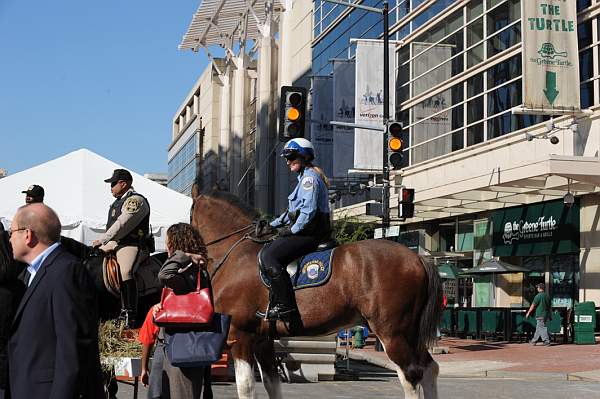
x=184 y=237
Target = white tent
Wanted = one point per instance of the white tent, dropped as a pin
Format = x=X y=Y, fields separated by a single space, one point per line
x=74 y=187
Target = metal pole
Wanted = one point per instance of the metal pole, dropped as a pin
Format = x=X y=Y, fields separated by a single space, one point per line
x=386 y=116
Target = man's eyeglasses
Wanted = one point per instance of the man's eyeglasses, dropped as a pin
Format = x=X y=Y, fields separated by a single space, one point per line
x=114 y=183
x=10 y=232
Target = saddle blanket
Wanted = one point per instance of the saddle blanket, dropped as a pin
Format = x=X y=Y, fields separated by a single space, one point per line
x=311 y=270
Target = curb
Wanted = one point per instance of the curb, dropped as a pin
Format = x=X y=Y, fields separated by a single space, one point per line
x=593 y=376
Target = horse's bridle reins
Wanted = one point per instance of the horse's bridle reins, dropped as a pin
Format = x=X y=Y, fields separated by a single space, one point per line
x=230 y=250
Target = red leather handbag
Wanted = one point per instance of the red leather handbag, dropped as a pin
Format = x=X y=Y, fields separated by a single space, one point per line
x=194 y=309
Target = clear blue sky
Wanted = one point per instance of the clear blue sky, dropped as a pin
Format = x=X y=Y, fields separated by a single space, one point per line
x=103 y=75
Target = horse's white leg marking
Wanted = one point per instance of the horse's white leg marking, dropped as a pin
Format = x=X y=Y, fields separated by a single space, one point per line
x=429 y=382
x=410 y=392
x=244 y=379
x=272 y=383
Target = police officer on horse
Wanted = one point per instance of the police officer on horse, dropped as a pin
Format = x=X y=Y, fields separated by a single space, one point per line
x=128 y=234
x=301 y=227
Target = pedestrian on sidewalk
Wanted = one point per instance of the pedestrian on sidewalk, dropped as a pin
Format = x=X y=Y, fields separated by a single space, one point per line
x=543 y=313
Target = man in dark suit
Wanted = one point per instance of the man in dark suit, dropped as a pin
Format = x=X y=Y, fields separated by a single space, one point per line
x=53 y=349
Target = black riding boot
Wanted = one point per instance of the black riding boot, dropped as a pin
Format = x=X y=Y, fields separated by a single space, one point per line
x=283 y=303
x=129 y=297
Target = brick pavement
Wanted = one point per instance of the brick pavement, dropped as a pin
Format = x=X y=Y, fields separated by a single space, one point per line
x=481 y=358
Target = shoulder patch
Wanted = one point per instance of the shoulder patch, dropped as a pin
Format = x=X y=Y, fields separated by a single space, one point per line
x=132 y=205
x=308 y=183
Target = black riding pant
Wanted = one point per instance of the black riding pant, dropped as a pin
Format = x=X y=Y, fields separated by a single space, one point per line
x=278 y=254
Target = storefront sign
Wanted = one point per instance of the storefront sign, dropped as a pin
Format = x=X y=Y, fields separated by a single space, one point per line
x=550 y=55
x=539 y=229
x=368 y=144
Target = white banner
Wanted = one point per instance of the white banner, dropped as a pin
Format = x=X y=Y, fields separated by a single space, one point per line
x=343 y=111
x=550 y=55
x=368 y=144
x=432 y=126
x=321 y=132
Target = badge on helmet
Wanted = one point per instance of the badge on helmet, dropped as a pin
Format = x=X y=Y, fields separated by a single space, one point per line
x=298 y=147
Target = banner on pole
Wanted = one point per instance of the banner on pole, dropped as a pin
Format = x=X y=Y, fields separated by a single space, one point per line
x=343 y=111
x=321 y=132
x=368 y=144
x=550 y=55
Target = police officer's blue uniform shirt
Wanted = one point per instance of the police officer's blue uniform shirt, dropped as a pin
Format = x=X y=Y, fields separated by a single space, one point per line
x=309 y=196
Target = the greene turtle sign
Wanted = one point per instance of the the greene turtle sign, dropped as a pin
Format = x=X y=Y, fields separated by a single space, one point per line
x=550 y=55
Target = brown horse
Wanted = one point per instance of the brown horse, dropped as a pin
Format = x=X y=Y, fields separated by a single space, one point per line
x=379 y=281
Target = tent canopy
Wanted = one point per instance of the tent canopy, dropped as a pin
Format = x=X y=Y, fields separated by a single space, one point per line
x=75 y=189
x=495 y=267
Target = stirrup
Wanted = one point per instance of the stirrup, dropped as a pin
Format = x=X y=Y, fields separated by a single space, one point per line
x=279 y=315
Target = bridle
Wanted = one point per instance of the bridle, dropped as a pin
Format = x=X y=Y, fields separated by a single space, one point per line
x=246 y=236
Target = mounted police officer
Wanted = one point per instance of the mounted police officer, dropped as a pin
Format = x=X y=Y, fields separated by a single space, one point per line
x=128 y=234
x=301 y=227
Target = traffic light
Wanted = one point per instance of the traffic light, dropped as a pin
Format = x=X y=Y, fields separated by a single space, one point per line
x=396 y=144
x=375 y=208
x=292 y=112
x=406 y=206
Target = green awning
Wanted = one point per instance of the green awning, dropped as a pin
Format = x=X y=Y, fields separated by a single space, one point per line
x=494 y=267
x=448 y=271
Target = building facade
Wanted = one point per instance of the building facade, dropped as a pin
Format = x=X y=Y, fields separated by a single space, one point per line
x=488 y=182
x=224 y=132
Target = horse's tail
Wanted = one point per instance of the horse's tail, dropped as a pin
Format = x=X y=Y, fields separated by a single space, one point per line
x=432 y=312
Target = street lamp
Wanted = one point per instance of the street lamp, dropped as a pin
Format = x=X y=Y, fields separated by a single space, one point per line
x=385 y=197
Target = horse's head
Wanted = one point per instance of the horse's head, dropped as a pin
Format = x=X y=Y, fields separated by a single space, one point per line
x=218 y=213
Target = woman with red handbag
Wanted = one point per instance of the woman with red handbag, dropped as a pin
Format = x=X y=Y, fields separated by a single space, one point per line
x=179 y=273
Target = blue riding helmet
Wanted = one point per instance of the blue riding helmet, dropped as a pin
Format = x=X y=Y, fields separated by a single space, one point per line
x=298 y=148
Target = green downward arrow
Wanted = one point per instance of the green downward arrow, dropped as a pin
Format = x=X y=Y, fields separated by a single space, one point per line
x=550 y=91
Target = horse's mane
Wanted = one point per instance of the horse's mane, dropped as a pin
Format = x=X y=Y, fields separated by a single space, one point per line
x=235 y=201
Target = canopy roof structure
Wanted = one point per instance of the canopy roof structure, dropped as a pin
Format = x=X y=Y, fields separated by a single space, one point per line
x=495 y=267
x=220 y=22
x=75 y=189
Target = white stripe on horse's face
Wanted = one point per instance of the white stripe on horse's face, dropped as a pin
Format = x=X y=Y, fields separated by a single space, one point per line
x=244 y=379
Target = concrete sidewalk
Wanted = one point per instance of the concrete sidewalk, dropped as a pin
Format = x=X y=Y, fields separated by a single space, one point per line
x=472 y=358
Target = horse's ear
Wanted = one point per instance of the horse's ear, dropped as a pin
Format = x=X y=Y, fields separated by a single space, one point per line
x=195 y=191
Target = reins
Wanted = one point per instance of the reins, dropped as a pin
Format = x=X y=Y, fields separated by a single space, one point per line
x=238 y=242
x=229 y=235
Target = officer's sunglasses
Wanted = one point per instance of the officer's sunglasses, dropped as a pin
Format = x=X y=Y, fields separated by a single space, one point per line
x=114 y=183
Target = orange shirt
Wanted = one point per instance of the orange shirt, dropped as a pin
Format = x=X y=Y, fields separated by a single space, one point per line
x=149 y=330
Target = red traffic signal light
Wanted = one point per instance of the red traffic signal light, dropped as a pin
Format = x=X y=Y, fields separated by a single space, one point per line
x=406 y=206
x=292 y=112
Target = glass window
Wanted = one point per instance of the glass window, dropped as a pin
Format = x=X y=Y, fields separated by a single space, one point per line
x=504 y=98
x=475 y=134
x=475 y=85
x=584 y=33
x=583 y=4
x=537 y=265
x=564 y=280
x=587 y=94
x=502 y=15
x=475 y=110
x=586 y=67
x=474 y=9
x=504 y=71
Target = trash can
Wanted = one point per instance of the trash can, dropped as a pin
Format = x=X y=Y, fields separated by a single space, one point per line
x=358 y=340
x=585 y=323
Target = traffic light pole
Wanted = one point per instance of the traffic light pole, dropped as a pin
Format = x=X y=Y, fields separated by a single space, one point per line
x=385 y=200
x=385 y=206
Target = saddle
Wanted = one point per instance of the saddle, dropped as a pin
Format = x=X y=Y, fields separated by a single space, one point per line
x=310 y=270
x=145 y=273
